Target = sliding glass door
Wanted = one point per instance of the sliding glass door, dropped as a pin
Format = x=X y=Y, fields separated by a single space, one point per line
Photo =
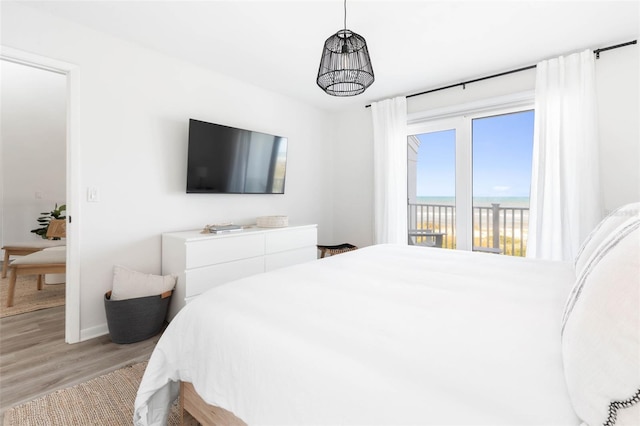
x=502 y=151
x=468 y=181
x=431 y=188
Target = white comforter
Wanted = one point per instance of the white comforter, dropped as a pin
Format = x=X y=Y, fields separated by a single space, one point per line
x=385 y=335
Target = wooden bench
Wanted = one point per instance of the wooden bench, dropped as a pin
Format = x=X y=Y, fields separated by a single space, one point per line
x=38 y=263
x=56 y=229
x=23 y=249
x=41 y=260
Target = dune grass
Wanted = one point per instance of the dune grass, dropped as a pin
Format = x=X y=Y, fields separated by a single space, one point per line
x=510 y=245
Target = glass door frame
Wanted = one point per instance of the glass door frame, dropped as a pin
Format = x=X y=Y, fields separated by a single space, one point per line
x=462 y=180
x=460 y=118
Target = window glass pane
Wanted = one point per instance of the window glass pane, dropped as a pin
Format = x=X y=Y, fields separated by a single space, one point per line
x=502 y=151
x=432 y=165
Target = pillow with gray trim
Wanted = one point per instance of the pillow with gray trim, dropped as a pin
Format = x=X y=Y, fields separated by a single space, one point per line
x=602 y=231
x=130 y=284
x=601 y=332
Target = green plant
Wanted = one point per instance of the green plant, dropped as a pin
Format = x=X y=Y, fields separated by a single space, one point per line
x=43 y=221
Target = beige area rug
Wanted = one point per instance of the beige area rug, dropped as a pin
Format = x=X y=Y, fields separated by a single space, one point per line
x=105 y=400
x=27 y=298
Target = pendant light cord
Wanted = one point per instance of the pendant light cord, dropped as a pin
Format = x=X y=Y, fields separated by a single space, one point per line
x=345 y=16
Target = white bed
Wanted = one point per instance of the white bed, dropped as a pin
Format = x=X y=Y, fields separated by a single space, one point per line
x=382 y=335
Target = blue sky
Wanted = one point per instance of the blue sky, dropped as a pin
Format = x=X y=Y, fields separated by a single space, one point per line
x=501 y=158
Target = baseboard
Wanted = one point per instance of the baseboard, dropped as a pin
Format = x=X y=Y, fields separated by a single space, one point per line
x=93 y=332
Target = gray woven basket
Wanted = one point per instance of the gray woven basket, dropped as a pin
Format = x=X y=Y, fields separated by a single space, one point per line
x=134 y=320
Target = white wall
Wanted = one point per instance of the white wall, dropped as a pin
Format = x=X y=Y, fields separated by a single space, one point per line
x=353 y=177
x=135 y=105
x=617 y=76
x=33 y=132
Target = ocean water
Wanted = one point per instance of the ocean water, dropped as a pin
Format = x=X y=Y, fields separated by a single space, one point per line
x=478 y=201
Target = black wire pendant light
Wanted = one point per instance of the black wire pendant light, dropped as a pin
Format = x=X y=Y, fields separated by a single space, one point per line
x=345 y=66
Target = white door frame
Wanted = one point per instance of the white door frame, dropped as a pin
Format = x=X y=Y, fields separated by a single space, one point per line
x=460 y=118
x=463 y=193
x=71 y=71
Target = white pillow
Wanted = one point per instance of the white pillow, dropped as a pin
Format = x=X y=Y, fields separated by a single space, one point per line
x=602 y=231
x=601 y=332
x=129 y=284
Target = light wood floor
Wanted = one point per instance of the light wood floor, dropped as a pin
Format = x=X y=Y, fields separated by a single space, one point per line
x=35 y=360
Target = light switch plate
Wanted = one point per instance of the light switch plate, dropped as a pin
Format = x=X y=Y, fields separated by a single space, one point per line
x=93 y=194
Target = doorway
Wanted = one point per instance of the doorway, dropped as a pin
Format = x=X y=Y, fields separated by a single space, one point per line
x=69 y=73
x=33 y=176
x=469 y=172
x=33 y=168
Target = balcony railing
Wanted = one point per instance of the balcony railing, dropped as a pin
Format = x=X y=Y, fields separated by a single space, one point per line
x=436 y=218
x=496 y=229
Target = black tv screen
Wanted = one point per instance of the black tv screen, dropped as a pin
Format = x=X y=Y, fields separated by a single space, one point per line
x=227 y=160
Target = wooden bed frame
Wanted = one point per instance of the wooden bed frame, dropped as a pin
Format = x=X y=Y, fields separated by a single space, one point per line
x=192 y=406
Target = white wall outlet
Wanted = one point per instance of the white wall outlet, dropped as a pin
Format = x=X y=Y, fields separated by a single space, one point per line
x=93 y=194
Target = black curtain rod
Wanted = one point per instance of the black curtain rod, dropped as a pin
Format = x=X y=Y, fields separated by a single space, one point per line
x=464 y=83
x=597 y=51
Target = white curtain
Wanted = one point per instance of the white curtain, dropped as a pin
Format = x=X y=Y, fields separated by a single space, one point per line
x=390 y=170
x=565 y=186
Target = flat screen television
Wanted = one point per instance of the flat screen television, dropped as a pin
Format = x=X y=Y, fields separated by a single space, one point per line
x=227 y=160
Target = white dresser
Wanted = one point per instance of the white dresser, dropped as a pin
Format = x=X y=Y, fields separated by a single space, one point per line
x=203 y=261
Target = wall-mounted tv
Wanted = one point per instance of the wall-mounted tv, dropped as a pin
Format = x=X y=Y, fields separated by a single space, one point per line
x=227 y=160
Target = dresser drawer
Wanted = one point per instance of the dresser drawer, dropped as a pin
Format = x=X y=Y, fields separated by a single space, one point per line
x=290 y=239
x=204 y=261
x=290 y=257
x=221 y=250
x=202 y=279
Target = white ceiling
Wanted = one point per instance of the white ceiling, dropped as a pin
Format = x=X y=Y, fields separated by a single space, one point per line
x=414 y=45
